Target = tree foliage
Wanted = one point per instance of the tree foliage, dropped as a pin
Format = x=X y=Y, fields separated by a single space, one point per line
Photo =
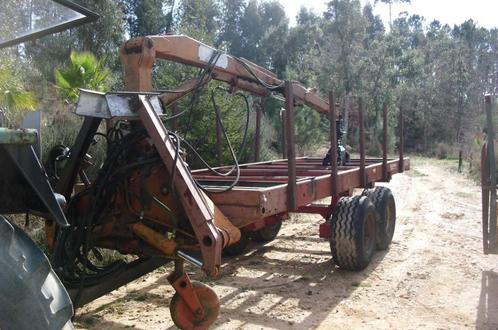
x=148 y=17
x=436 y=72
x=13 y=96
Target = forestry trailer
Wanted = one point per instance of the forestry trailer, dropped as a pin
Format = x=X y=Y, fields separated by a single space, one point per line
x=146 y=202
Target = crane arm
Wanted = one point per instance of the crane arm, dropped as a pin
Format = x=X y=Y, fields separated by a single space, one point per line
x=138 y=56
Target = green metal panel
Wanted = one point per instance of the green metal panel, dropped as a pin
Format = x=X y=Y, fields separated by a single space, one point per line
x=18 y=136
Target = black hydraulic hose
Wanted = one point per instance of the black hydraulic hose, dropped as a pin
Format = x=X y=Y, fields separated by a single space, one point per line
x=206 y=71
x=261 y=82
x=236 y=158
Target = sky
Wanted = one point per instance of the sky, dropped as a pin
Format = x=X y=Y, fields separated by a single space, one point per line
x=451 y=12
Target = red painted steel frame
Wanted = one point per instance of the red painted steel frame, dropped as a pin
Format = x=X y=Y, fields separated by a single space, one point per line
x=191 y=198
x=265 y=189
x=262 y=189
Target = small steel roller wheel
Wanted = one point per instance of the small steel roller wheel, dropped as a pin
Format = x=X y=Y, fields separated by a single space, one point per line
x=383 y=200
x=352 y=240
x=184 y=318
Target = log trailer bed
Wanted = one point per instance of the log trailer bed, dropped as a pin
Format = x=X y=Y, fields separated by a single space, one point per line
x=263 y=190
x=146 y=202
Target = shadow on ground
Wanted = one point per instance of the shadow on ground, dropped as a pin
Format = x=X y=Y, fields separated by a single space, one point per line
x=308 y=282
x=487 y=313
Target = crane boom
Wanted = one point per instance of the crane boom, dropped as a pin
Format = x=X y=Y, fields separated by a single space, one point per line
x=139 y=55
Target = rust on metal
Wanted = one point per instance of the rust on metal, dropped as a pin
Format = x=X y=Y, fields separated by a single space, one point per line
x=159 y=209
x=193 y=202
x=182 y=49
x=291 y=149
x=384 y=143
x=194 y=305
x=265 y=193
x=155 y=239
x=257 y=133
x=183 y=286
x=361 y=126
x=401 y=140
x=324 y=210
x=333 y=143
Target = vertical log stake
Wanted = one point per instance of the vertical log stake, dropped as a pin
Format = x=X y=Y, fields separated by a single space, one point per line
x=401 y=141
x=257 y=140
x=385 y=175
x=291 y=151
x=363 y=178
x=284 y=133
x=333 y=142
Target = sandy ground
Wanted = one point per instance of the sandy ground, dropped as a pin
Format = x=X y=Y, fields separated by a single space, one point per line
x=434 y=275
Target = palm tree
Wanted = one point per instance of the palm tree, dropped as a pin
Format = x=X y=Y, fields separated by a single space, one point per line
x=83 y=71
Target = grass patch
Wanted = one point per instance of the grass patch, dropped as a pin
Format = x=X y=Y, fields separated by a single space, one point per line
x=464 y=194
x=414 y=173
x=448 y=162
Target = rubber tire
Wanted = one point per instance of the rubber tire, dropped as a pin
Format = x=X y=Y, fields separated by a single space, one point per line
x=31 y=294
x=239 y=247
x=382 y=198
x=350 y=223
x=267 y=233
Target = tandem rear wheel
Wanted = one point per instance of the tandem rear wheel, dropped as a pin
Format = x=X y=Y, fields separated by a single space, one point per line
x=352 y=240
x=383 y=200
x=360 y=225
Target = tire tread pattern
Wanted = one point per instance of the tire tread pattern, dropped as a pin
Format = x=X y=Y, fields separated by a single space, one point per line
x=346 y=232
x=32 y=295
x=380 y=196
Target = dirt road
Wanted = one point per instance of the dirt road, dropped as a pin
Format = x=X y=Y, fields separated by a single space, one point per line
x=433 y=276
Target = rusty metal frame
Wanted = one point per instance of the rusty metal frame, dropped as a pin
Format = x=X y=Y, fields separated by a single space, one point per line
x=263 y=186
x=257 y=132
x=291 y=148
x=195 y=205
x=401 y=145
x=333 y=144
x=385 y=176
x=138 y=56
x=361 y=136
